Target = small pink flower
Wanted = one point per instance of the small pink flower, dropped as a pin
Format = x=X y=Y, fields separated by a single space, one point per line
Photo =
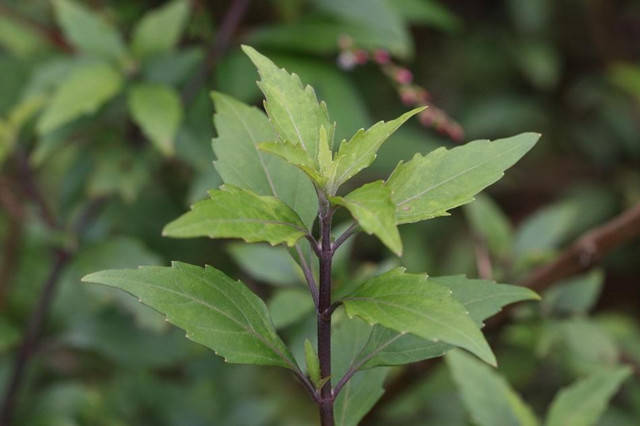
x=408 y=95
x=362 y=56
x=345 y=42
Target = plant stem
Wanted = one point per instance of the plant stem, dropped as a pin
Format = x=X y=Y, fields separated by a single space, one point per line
x=324 y=320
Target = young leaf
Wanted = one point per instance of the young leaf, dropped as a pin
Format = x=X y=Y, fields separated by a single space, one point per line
x=582 y=403
x=296 y=155
x=85 y=90
x=487 y=396
x=481 y=298
x=313 y=364
x=371 y=206
x=411 y=303
x=214 y=310
x=428 y=186
x=360 y=151
x=88 y=31
x=241 y=129
x=232 y=212
x=160 y=29
x=157 y=110
x=294 y=110
x=576 y=295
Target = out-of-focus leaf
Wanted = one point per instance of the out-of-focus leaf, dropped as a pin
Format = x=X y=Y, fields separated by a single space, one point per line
x=626 y=77
x=582 y=403
x=428 y=186
x=19 y=39
x=10 y=126
x=9 y=334
x=487 y=395
x=87 y=31
x=575 y=295
x=272 y=265
x=174 y=67
x=232 y=212
x=215 y=310
x=530 y=16
x=428 y=12
x=380 y=17
x=371 y=206
x=289 y=305
x=411 y=303
x=540 y=63
x=313 y=364
x=118 y=171
x=159 y=30
x=85 y=90
x=364 y=389
x=579 y=344
x=157 y=109
x=241 y=129
x=489 y=222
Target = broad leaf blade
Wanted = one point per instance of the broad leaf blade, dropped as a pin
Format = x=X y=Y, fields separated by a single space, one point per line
x=213 y=309
x=241 y=129
x=160 y=29
x=411 y=303
x=490 y=223
x=157 y=109
x=85 y=90
x=88 y=31
x=371 y=206
x=360 y=151
x=428 y=186
x=487 y=396
x=293 y=108
x=294 y=154
x=481 y=298
x=582 y=403
x=232 y=212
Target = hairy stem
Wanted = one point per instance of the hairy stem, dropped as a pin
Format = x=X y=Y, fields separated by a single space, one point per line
x=324 y=320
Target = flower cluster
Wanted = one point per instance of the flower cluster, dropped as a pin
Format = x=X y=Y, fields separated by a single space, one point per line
x=410 y=94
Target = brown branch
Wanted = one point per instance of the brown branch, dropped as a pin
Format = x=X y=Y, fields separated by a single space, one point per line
x=11 y=248
x=220 y=43
x=51 y=35
x=583 y=254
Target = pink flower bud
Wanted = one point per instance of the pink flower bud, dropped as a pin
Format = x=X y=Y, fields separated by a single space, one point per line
x=381 y=56
x=403 y=76
x=361 y=56
x=408 y=96
x=345 y=42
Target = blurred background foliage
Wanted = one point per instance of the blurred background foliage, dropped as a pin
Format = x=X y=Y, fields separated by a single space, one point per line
x=105 y=136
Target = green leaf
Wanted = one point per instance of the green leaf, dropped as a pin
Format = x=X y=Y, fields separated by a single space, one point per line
x=294 y=110
x=490 y=223
x=288 y=305
x=232 y=212
x=487 y=395
x=360 y=151
x=268 y=264
x=576 y=295
x=160 y=29
x=481 y=298
x=364 y=389
x=371 y=206
x=157 y=109
x=428 y=12
x=9 y=335
x=87 y=31
x=241 y=129
x=428 y=186
x=85 y=90
x=214 y=310
x=313 y=364
x=582 y=403
x=411 y=303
